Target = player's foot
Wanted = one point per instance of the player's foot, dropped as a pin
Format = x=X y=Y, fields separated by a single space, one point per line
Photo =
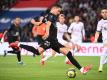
x=100 y=68
x=68 y=62
x=34 y=55
x=21 y=63
x=14 y=45
x=42 y=62
x=5 y=53
x=86 y=69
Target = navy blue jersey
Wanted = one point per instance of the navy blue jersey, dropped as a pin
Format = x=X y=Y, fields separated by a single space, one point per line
x=53 y=29
x=14 y=31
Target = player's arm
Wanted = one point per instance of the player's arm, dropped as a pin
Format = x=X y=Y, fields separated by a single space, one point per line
x=96 y=36
x=67 y=36
x=70 y=30
x=83 y=33
x=38 y=22
x=48 y=24
x=99 y=28
x=34 y=22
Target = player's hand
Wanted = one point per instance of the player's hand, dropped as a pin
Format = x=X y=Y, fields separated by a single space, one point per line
x=45 y=36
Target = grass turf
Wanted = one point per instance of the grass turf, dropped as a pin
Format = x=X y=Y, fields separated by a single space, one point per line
x=54 y=69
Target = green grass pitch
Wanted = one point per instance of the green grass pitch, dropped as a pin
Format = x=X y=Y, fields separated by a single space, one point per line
x=54 y=69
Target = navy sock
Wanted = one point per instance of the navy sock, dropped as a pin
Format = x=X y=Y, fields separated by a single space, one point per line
x=73 y=60
x=30 y=48
x=18 y=56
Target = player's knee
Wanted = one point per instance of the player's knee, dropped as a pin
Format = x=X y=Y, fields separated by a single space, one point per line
x=65 y=50
x=40 y=50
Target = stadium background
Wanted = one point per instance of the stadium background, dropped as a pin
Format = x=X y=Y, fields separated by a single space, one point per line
x=26 y=10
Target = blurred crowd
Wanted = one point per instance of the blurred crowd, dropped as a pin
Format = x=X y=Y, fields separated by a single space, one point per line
x=88 y=10
x=6 y=4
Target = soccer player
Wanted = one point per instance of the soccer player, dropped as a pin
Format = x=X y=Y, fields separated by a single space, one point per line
x=14 y=34
x=50 y=39
x=102 y=27
x=77 y=32
x=61 y=32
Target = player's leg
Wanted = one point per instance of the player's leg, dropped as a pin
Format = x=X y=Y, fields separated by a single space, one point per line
x=71 y=47
x=74 y=61
x=17 y=52
x=105 y=62
x=27 y=47
x=35 y=51
x=10 y=51
x=103 y=59
x=77 y=48
x=46 y=55
x=66 y=51
x=19 y=57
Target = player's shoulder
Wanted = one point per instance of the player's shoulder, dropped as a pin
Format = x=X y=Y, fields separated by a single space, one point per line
x=50 y=15
x=65 y=25
x=57 y=23
x=81 y=23
x=101 y=21
x=73 y=23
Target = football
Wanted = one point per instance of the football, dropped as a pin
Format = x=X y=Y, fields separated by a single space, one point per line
x=71 y=73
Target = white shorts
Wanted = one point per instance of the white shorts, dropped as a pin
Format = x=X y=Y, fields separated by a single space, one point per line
x=105 y=41
x=76 y=41
x=48 y=52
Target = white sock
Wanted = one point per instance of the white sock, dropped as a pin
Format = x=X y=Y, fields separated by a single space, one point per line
x=66 y=59
x=47 y=55
x=103 y=57
x=75 y=50
x=105 y=60
x=81 y=70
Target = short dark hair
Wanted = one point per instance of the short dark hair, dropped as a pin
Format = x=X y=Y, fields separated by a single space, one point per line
x=57 y=5
x=45 y=12
x=104 y=7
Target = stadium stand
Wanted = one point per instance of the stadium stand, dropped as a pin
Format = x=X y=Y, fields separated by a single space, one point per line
x=87 y=9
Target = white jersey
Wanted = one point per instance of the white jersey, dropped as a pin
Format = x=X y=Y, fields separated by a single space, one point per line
x=102 y=26
x=77 y=32
x=61 y=29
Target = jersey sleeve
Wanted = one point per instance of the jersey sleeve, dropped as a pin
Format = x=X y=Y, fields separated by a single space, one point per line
x=99 y=26
x=70 y=28
x=51 y=18
x=36 y=18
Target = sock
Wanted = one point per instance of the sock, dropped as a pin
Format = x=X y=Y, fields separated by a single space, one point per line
x=73 y=60
x=18 y=56
x=103 y=56
x=66 y=59
x=30 y=48
x=12 y=51
x=17 y=52
x=105 y=60
x=47 y=56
